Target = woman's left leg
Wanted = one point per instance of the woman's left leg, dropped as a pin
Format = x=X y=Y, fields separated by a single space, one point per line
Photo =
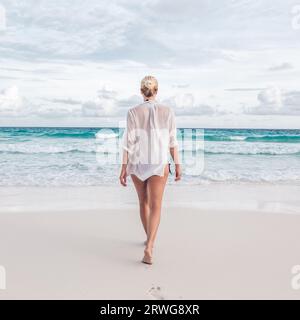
x=155 y=186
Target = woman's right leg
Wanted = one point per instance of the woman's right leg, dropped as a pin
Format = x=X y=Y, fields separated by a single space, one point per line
x=156 y=186
x=141 y=189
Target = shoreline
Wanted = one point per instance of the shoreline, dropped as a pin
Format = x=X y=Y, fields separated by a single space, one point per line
x=280 y=198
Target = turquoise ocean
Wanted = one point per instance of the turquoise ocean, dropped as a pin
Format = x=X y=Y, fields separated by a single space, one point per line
x=72 y=156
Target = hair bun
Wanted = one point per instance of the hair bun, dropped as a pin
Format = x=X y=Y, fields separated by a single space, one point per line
x=148 y=83
x=149 y=86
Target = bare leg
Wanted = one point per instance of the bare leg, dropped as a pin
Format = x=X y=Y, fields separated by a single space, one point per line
x=156 y=187
x=141 y=189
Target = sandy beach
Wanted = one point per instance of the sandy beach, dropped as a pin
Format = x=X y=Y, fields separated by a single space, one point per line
x=231 y=242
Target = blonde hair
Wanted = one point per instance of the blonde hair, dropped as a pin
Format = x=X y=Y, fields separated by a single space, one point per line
x=149 y=86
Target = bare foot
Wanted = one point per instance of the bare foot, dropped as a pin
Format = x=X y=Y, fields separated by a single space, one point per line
x=147 y=256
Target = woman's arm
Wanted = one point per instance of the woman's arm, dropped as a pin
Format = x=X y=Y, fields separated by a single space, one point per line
x=173 y=144
x=123 y=174
x=175 y=157
x=127 y=142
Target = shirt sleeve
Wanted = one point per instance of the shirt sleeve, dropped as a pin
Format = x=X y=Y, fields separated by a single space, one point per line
x=172 y=130
x=129 y=133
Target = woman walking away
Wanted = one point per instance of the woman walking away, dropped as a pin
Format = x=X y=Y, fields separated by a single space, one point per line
x=149 y=138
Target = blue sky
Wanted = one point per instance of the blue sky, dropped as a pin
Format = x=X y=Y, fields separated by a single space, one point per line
x=232 y=63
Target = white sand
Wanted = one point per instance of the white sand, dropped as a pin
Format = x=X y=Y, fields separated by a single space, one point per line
x=218 y=241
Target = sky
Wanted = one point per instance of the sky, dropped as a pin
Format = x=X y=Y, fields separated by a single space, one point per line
x=225 y=63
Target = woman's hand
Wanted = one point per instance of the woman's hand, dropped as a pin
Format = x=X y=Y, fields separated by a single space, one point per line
x=123 y=176
x=177 y=172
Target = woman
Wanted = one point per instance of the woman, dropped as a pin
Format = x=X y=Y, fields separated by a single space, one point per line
x=149 y=136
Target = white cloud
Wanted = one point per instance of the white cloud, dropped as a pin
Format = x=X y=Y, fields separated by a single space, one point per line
x=274 y=101
x=270 y=97
x=11 y=103
x=105 y=104
x=108 y=104
x=47 y=29
x=168 y=32
x=184 y=105
x=292 y=102
x=281 y=67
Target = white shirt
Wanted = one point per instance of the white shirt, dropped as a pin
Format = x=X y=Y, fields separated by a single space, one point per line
x=149 y=134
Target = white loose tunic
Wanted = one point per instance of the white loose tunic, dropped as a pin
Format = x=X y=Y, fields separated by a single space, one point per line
x=149 y=134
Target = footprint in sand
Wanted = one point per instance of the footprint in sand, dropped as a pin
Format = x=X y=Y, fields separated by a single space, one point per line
x=156 y=293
